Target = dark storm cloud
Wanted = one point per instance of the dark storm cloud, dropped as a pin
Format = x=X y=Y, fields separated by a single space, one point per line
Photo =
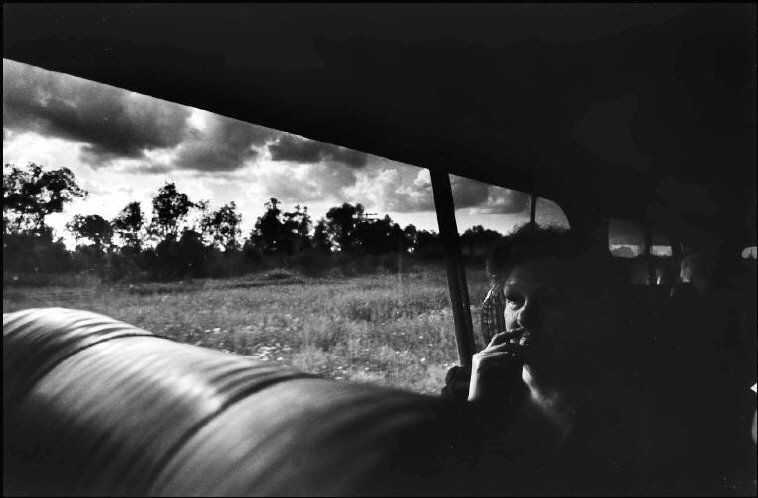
x=148 y=169
x=224 y=145
x=487 y=199
x=113 y=123
x=304 y=151
x=468 y=193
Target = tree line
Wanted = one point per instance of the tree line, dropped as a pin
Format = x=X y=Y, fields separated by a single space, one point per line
x=185 y=238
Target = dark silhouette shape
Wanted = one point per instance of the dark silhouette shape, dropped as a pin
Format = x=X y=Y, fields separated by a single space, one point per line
x=128 y=225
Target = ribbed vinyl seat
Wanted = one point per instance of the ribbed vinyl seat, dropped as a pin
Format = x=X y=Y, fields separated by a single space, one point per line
x=95 y=406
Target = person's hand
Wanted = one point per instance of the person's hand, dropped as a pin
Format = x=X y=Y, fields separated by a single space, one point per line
x=496 y=370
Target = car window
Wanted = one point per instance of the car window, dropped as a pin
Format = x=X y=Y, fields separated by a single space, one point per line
x=660 y=244
x=549 y=214
x=626 y=239
x=222 y=234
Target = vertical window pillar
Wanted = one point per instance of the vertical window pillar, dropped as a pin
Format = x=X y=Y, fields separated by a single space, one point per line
x=456 y=274
x=651 y=280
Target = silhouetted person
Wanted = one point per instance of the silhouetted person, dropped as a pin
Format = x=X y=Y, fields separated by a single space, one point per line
x=705 y=365
x=570 y=393
x=695 y=276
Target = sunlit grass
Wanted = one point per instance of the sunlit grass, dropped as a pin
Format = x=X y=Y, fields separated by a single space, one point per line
x=382 y=329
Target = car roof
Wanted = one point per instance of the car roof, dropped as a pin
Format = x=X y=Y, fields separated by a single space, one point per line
x=628 y=110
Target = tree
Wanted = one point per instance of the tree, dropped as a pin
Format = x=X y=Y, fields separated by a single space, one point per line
x=378 y=236
x=192 y=254
x=427 y=244
x=281 y=233
x=128 y=225
x=340 y=225
x=410 y=236
x=94 y=228
x=268 y=233
x=478 y=240
x=170 y=208
x=185 y=257
x=202 y=211
x=320 y=241
x=222 y=227
x=30 y=194
x=297 y=226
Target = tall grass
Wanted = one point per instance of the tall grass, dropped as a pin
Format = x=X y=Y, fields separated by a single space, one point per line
x=384 y=329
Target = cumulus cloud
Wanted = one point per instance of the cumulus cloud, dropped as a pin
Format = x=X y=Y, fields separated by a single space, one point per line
x=111 y=123
x=135 y=134
x=400 y=188
x=301 y=150
x=304 y=182
x=468 y=193
x=224 y=144
x=505 y=201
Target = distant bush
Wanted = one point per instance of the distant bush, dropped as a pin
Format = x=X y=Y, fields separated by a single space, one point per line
x=89 y=258
x=128 y=263
x=390 y=262
x=12 y=279
x=41 y=280
x=226 y=264
x=312 y=263
x=315 y=264
x=252 y=256
x=188 y=257
x=31 y=253
x=352 y=265
x=430 y=253
x=119 y=266
x=278 y=274
x=174 y=259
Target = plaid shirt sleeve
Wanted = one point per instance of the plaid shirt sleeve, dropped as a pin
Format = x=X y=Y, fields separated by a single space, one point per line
x=493 y=313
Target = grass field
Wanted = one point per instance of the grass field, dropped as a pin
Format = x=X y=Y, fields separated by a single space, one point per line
x=384 y=329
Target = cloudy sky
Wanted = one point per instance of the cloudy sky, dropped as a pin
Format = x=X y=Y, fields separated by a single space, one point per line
x=123 y=146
